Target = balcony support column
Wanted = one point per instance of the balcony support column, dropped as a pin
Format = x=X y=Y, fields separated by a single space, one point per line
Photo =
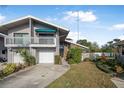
x=30 y=28
x=57 y=42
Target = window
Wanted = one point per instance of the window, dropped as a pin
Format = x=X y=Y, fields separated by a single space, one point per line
x=41 y=34
x=18 y=40
x=3 y=51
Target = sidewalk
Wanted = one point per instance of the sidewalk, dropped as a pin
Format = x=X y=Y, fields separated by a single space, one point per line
x=118 y=82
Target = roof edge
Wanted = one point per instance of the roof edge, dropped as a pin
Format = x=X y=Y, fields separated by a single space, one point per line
x=77 y=44
x=35 y=18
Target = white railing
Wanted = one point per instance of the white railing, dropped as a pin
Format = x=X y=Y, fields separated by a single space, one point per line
x=27 y=41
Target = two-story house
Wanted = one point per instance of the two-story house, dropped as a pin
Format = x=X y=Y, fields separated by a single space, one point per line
x=41 y=38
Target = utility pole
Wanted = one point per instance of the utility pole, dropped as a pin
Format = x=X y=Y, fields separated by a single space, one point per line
x=78 y=24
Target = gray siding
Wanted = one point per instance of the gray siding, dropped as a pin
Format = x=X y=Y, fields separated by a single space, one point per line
x=19 y=29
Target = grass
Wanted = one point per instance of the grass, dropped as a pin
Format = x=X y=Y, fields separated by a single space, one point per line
x=83 y=75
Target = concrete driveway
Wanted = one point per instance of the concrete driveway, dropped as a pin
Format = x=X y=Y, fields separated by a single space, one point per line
x=38 y=76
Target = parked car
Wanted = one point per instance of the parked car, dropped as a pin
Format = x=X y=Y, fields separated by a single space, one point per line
x=2 y=59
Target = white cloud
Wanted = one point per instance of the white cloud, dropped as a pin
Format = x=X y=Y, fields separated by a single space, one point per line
x=117 y=27
x=2 y=18
x=83 y=16
x=74 y=36
x=121 y=37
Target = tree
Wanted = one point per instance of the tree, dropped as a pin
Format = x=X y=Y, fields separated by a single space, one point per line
x=106 y=48
x=110 y=43
x=116 y=40
x=94 y=47
x=84 y=42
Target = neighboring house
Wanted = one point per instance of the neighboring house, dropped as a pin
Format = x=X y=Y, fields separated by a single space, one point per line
x=3 y=49
x=70 y=44
x=41 y=38
x=120 y=51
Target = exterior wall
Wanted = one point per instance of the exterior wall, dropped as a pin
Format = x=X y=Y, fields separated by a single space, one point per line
x=19 y=29
x=11 y=53
x=2 y=48
x=66 y=48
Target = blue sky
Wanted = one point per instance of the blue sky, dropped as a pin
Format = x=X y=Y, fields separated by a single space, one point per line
x=96 y=23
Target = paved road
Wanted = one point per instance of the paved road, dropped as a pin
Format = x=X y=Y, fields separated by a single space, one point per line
x=34 y=77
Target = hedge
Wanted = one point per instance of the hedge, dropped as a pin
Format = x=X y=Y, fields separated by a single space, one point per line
x=105 y=68
x=74 y=55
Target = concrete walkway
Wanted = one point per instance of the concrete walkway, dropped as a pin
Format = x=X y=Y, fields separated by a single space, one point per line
x=118 y=82
x=38 y=76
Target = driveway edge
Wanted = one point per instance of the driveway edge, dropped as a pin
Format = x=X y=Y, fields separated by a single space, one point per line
x=18 y=72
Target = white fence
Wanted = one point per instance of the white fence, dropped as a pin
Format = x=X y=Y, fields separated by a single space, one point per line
x=85 y=55
x=95 y=55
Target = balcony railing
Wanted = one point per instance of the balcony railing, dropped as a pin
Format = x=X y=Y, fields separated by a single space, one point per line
x=29 y=41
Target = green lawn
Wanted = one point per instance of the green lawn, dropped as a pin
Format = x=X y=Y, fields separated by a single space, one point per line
x=83 y=75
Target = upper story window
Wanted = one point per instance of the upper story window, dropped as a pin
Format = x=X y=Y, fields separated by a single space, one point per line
x=21 y=38
x=47 y=35
x=21 y=34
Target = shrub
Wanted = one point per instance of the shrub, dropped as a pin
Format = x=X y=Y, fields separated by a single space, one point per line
x=103 y=58
x=57 y=59
x=10 y=68
x=28 y=58
x=71 y=61
x=104 y=67
x=32 y=60
x=74 y=55
x=119 y=69
x=19 y=66
x=1 y=74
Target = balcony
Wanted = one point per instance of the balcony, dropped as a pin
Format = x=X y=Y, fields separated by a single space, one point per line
x=30 y=41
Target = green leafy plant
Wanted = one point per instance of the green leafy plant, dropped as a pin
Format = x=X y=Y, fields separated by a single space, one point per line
x=74 y=55
x=58 y=59
x=28 y=58
x=10 y=68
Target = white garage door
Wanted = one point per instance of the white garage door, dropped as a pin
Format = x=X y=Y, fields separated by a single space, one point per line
x=46 y=56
